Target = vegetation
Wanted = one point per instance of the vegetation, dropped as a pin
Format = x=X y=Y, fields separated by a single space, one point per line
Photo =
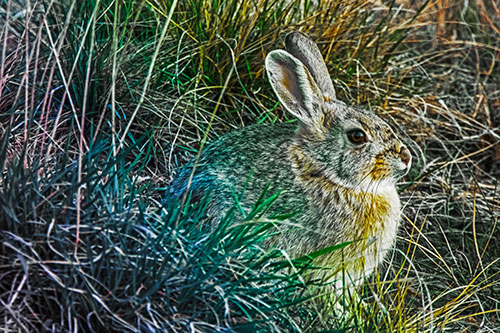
x=101 y=101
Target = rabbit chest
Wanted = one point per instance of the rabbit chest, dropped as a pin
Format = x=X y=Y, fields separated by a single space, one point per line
x=369 y=219
x=375 y=216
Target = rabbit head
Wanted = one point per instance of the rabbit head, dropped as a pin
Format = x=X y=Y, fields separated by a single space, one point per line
x=354 y=147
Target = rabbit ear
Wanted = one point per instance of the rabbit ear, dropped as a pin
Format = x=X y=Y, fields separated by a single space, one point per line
x=295 y=88
x=304 y=49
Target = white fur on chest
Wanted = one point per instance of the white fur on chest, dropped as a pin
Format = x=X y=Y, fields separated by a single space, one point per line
x=378 y=237
x=383 y=233
x=390 y=225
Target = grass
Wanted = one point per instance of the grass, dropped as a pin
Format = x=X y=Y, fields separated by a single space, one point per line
x=102 y=101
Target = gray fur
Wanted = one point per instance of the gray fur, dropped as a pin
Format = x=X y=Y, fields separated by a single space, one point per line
x=341 y=191
x=304 y=49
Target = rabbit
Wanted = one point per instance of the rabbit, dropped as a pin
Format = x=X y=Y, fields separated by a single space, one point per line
x=336 y=168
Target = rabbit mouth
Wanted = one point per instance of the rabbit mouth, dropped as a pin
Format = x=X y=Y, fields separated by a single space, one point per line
x=403 y=168
x=402 y=164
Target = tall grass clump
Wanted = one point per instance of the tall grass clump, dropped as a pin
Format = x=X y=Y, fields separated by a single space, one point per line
x=101 y=101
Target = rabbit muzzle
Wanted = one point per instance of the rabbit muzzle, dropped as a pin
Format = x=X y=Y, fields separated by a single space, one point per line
x=404 y=160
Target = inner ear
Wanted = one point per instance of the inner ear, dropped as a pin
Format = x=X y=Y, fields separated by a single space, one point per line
x=299 y=93
x=296 y=89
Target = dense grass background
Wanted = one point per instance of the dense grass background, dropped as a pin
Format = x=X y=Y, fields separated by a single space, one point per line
x=102 y=101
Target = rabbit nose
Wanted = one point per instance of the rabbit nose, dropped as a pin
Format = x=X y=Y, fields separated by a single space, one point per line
x=405 y=155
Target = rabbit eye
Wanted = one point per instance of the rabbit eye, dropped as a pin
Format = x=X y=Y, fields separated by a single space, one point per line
x=357 y=136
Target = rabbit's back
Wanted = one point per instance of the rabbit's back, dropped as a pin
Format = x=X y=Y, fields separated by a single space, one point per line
x=241 y=164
